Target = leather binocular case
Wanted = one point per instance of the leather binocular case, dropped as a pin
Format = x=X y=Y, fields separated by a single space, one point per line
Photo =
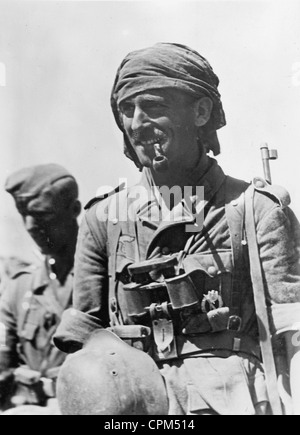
x=182 y=292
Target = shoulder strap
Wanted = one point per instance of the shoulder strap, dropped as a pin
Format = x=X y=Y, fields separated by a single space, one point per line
x=99 y=198
x=235 y=215
x=277 y=193
x=260 y=305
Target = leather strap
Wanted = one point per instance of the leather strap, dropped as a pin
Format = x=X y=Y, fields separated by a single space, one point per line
x=208 y=344
x=235 y=215
x=114 y=231
x=260 y=305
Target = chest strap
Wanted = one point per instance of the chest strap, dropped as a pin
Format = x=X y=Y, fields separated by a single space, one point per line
x=235 y=216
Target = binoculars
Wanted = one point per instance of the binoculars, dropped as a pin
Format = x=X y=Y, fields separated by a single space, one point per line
x=159 y=281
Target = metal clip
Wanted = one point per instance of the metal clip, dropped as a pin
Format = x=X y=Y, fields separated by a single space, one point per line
x=234 y=323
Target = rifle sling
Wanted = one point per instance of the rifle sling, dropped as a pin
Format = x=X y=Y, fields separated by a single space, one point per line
x=260 y=304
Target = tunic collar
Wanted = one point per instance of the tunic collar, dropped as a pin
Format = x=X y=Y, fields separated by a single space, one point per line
x=150 y=206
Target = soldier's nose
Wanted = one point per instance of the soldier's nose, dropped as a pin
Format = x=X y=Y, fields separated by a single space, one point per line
x=139 y=119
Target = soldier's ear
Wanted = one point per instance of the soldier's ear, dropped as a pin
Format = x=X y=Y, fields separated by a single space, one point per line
x=202 y=109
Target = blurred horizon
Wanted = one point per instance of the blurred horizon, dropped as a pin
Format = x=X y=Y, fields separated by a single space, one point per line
x=60 y=60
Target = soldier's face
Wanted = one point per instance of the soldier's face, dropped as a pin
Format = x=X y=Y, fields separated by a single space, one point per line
x=165 y=117
x=49 y=223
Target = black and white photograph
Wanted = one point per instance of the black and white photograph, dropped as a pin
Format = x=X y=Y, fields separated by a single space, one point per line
x=149 y=210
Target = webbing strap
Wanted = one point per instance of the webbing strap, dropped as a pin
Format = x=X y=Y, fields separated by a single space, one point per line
x=235 y=216
x=260 y=305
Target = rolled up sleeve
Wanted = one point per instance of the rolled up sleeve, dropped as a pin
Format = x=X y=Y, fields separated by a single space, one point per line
x=75 y=328
x=286 y=317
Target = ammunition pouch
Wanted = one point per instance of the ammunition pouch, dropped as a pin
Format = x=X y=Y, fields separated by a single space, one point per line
x=182 y=292
x=147 y=284
x=181 y=319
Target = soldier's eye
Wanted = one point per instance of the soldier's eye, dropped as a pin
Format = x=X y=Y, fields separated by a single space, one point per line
x=127 y=110
x=154 y=108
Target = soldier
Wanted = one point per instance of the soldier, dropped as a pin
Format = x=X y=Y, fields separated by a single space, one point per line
x=46 y=196
x=164 y=281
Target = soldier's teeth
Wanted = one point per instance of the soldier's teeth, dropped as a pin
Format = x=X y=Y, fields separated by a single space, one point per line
x=159 y=139
x=148 y=142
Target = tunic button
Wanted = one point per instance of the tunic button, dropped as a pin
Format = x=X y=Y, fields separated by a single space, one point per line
x=48 y=316
x=260 y=184
x=235 y=202
x=115 y=221
x=165 y=251
x=25 y=306
x=212 y=271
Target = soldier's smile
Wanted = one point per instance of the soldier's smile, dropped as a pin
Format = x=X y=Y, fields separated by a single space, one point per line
x=148 y=138
x=164 y=118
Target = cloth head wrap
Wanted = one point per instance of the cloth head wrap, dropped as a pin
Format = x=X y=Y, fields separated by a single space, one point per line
x=168 y=65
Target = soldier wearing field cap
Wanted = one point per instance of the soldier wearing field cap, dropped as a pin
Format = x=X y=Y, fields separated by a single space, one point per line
x=202 y=297
x=46 y=197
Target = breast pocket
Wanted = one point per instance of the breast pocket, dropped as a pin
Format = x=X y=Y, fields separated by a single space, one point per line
x=38 y=327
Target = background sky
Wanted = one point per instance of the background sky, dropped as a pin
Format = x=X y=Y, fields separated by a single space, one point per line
x=60 y=60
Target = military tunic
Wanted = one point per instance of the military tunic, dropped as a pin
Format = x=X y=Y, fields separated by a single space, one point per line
x=31 y=309
x=222 y=381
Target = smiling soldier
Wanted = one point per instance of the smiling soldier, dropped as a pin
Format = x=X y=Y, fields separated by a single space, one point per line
x=186 y=299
